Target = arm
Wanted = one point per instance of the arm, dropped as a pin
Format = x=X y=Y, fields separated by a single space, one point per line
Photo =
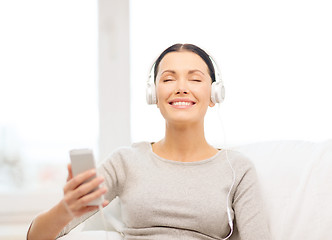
x=249 y=208
x=76 y=195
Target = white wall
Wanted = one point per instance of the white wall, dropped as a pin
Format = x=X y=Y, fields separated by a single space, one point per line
x=275 y=60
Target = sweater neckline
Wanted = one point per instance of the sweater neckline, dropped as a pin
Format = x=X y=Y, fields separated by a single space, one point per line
x=199 y=162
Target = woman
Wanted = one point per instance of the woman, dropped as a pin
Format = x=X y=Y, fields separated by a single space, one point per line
x=179 y=187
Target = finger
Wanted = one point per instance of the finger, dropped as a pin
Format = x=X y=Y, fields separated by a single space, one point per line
x=76 y=211
x=70 y=173
x=86 y=210
x=87 y=187
x=105 y=203
x=75 y=182
x=75 y=207
x=72 y=196
x=86 y=199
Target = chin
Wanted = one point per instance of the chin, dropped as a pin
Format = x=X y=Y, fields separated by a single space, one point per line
x=183 y=117
x=182 y=121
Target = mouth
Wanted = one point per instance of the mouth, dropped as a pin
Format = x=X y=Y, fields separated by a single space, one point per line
x=181 y=103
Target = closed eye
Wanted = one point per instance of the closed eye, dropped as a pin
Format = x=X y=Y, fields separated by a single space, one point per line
x=167 y=80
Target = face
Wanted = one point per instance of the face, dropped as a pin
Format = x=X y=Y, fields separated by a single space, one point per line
x=183 y=86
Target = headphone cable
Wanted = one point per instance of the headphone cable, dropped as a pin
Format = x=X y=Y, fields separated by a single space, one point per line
x=230 y=221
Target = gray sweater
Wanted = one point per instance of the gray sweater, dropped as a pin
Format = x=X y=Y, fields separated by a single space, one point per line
x=164 y=199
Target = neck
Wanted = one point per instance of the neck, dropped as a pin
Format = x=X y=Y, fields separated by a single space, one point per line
x=184 y=137
x=184 y=143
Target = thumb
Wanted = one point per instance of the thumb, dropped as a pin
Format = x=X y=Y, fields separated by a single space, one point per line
x=70 y=173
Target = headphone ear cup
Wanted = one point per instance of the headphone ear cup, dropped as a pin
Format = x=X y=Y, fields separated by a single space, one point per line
x=151 y=97
x=217 y=92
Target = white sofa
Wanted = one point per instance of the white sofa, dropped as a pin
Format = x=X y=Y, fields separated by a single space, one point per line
x=296 y=179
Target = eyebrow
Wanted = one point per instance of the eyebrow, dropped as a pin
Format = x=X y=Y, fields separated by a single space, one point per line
x=196 y=70
x=190 y=71
x=169 y=71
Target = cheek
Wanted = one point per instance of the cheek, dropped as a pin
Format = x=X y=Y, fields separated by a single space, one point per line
x=163 y=92
x=203 y=93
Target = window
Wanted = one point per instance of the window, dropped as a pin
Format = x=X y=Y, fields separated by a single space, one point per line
x=48 y=89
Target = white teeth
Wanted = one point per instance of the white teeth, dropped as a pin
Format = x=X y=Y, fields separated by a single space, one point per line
x=181 y=103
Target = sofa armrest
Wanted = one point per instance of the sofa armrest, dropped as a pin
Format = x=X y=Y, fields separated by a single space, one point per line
x=88 y=235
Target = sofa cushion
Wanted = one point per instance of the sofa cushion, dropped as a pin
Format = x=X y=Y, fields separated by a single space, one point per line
x=296 y=178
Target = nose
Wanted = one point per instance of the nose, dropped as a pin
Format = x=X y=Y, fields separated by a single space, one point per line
x=182 y=91
x=182 y=88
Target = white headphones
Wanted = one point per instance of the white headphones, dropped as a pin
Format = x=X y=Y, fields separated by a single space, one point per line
x=217 y=87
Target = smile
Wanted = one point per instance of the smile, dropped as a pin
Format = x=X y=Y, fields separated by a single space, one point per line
x=182 y=103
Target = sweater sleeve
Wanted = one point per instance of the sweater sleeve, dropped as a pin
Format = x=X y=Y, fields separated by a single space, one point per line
x=250 y=214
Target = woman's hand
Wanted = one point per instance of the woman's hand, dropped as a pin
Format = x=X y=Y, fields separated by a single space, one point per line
x=78 y=193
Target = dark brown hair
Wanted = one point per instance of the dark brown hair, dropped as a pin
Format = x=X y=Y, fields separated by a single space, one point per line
x=186 y=47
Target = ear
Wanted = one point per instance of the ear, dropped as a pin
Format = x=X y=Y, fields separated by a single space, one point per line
x=157 y=103
x=212 y=104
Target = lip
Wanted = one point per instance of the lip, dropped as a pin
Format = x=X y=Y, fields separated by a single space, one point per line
x=182 y=103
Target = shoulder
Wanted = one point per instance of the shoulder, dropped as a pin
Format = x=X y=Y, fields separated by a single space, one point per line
x=128 y=153
x=135 y=148
x=239 y=160
x=242 y=166
x=124 y=159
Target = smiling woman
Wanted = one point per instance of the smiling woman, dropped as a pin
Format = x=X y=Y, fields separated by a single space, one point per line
x=162 y=184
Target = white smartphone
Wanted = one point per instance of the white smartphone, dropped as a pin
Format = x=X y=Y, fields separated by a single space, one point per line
x=81 y=161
